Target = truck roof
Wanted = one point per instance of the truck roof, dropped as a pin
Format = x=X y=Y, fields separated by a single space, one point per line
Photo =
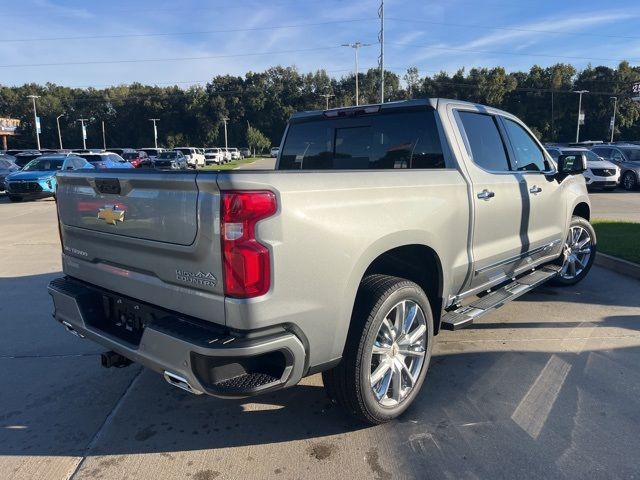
x=429 y=103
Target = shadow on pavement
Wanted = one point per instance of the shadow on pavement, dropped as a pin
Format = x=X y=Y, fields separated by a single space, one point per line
x=491 y=414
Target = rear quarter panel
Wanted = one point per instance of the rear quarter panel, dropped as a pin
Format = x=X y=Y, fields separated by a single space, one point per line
x=330 y=226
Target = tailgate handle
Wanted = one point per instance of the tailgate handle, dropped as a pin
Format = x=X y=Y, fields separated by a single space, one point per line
x=108 y=185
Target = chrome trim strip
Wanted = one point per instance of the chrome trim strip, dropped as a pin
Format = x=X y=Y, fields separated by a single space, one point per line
x=549 y=246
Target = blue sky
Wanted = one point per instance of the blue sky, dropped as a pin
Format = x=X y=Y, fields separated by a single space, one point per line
x=192 y=40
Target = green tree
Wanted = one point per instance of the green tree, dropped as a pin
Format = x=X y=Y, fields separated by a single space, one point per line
x=256 y=140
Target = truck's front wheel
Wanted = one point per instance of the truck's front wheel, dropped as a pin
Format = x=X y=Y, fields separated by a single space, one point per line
x=578 y=253
x=387 y=352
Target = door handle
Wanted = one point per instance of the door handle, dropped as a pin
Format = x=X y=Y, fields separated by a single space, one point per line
x=535 y=189
x=486 y=194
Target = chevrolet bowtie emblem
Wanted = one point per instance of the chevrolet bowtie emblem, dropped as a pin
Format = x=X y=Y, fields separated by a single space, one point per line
x=111 y=215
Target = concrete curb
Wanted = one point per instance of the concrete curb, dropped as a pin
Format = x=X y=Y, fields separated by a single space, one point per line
x=618 y=265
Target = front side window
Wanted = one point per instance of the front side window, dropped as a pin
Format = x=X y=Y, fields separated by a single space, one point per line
x=377 y=141
x=617 y=155
x=485 y=142
x=528 y=155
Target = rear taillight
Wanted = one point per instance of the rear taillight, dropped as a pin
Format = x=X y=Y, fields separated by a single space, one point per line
x=247 y=266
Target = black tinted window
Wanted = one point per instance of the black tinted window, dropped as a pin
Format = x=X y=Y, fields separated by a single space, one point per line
x=395 y=140
x=602 y=152
x=528 y=155
x=487 y=149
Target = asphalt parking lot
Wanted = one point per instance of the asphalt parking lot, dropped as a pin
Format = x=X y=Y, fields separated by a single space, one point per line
x=546 y=387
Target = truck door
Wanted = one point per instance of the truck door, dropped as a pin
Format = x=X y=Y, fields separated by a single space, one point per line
x=499 y=223
x=542 y=196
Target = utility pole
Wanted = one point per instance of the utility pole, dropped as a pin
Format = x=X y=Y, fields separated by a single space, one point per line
x=104 y=140
x=59 y=132
x=327 y=96
x=357 y=46
x=225 y=120
x=580 y=92
x=381 y=58
x=84 y=132
x=613 y=120
x=35 y=118
x=155 y=131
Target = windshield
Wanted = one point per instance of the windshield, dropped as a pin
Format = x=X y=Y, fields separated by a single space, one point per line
x=633 y=154
x=591 y=157
x=186 y=151
x=94 y=158
x=130 y=155
x=44 y=164
x=168 y=155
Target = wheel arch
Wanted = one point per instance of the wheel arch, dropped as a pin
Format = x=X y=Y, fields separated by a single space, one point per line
x=582 y=209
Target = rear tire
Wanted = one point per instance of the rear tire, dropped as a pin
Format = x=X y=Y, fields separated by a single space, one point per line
x=578 y=253
x=13 y=198
x=387 y=352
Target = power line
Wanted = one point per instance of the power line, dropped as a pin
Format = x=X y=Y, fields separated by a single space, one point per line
x=514 y=29
x=173 y=59
x=492 y=52
x=170 y=34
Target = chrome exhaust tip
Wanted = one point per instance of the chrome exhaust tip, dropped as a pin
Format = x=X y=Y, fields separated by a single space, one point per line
x=180 y=382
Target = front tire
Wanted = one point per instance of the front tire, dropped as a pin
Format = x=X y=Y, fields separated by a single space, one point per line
x=578 y=253
x=629 y=181
x=387 y=352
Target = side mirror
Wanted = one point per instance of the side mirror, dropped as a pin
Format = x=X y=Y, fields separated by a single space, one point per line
x=572 y=164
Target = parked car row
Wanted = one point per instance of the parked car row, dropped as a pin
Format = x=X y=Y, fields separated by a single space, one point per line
x=610 y=165
x=31 y=173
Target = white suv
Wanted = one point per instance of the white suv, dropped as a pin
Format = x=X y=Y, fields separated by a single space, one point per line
x=195 y=156
x=600 y=173
x=214 y=155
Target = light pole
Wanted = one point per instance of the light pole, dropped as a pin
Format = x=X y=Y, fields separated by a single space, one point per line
x=155 y=131
x=104 y=138
x=225 y=120
x=381 y=57
x=59 y=132
x=613 y=120
x=356 y=46
x=84 y=132
x=35 y=118
x=580 y=92
x=327 y=96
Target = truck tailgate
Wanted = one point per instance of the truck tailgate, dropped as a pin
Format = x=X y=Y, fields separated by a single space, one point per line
x=149 y=235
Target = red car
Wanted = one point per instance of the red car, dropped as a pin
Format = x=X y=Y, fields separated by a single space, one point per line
x=138 y=159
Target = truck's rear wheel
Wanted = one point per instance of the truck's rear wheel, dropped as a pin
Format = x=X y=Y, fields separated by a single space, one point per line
x=578 y=253
x=388 y=350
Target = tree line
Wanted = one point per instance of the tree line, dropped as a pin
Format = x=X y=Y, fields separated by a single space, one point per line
x=258 y=105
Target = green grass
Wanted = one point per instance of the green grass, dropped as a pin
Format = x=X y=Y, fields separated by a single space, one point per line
x=620 y=239
x=231 y=165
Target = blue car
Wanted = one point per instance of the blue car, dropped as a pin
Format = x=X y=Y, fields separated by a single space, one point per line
x=38 y=178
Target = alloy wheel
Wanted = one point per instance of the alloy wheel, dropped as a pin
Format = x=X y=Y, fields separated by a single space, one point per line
x=629 y=181
x=578 y=249
x=398 y=353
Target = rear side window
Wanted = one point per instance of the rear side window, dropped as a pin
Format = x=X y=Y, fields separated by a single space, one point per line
x=380 y=141
x=528 y=155
x=485 y=142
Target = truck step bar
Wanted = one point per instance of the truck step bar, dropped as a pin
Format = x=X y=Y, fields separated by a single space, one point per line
x=465 y=316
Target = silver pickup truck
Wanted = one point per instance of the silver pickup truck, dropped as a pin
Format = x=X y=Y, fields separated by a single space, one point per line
x=380 y=226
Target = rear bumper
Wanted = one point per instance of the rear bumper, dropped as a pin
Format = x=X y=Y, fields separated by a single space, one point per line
x=191 y=354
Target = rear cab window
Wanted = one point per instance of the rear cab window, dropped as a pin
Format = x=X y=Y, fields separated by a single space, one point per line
x=384 y=140
x=487 y=149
